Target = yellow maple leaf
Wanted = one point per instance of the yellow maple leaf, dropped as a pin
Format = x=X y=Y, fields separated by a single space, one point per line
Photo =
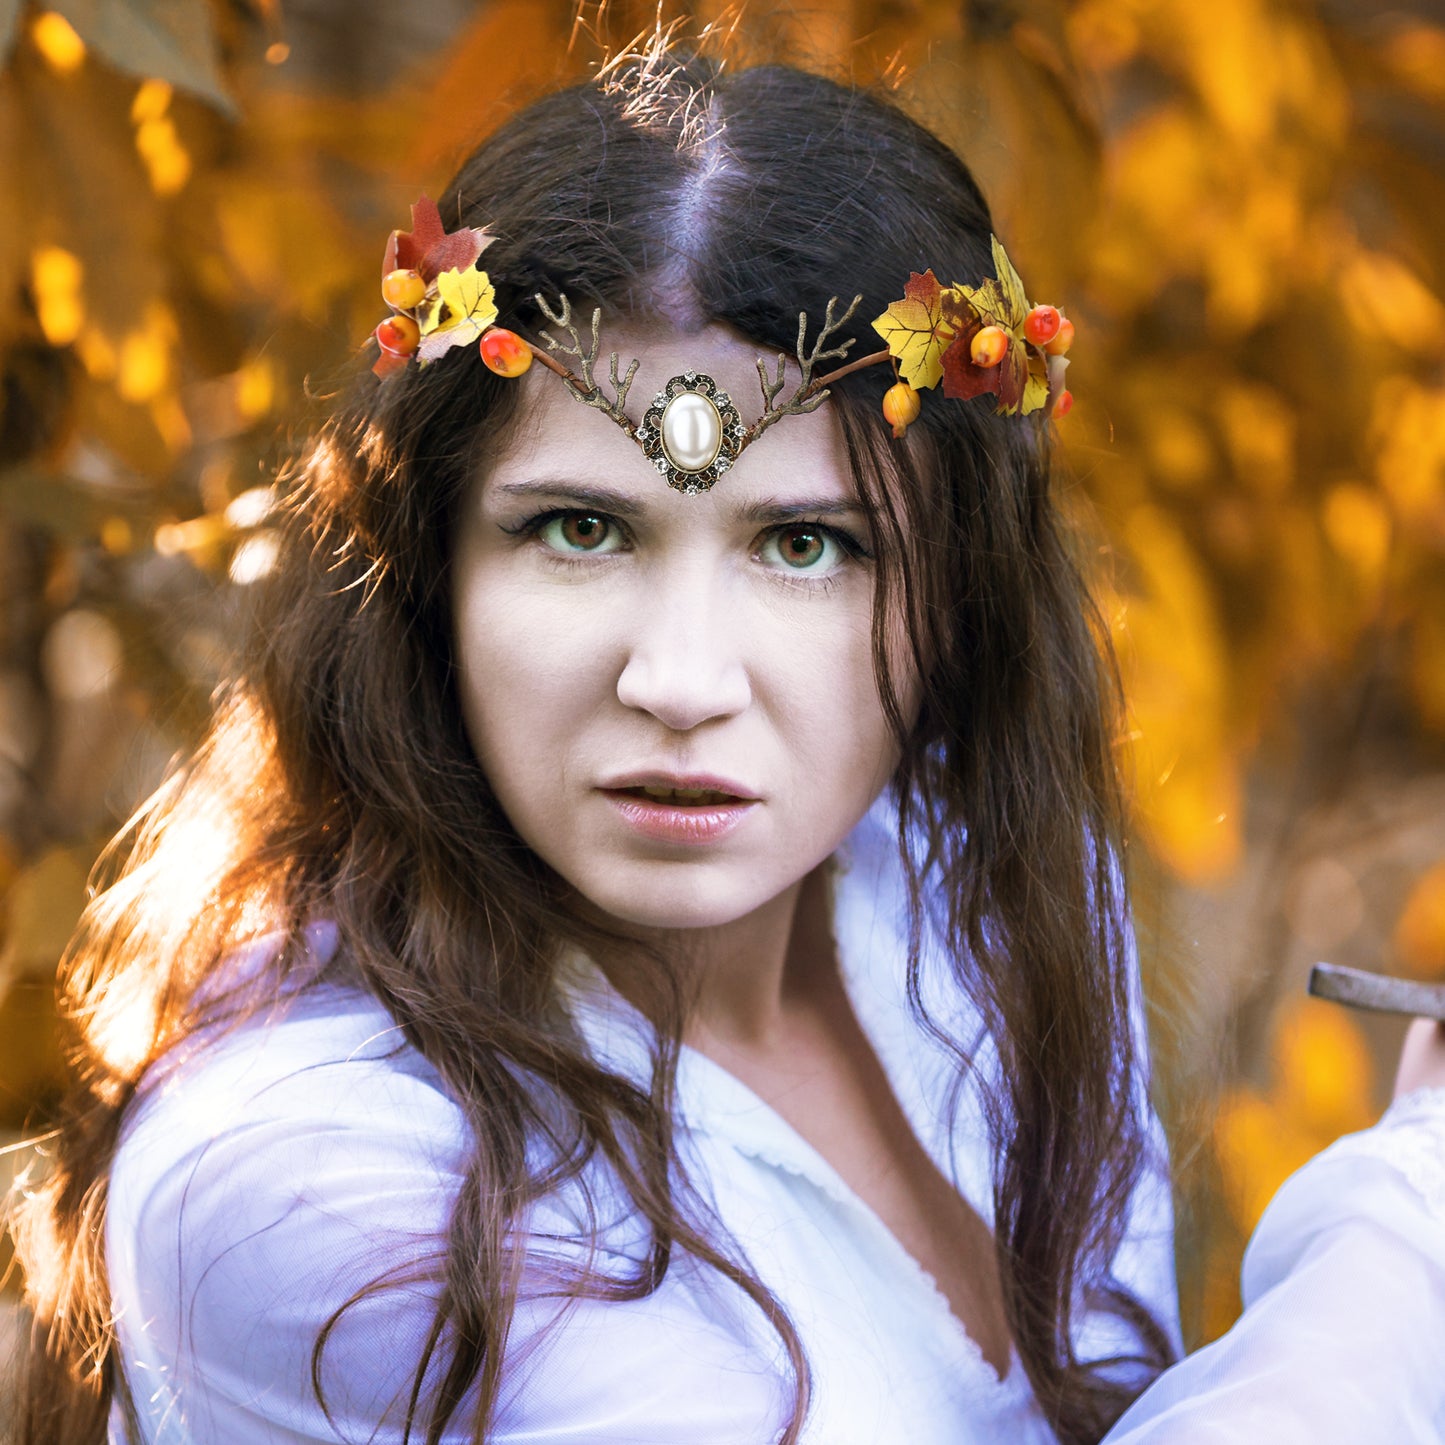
x=464 y=306
x=916 y=332
x=1000 y=302
x=1036 y=387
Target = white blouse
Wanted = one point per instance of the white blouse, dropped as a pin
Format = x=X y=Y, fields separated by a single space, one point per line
x=312 y=1153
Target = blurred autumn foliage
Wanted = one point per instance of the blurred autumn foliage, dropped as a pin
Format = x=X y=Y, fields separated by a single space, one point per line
x=1240 y=205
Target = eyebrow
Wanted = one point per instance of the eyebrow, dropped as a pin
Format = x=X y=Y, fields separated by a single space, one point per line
x=767 y=510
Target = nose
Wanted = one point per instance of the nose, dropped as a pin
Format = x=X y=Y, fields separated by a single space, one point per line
x=684 y=659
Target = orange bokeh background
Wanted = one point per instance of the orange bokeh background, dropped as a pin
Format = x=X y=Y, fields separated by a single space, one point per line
x=1240 y=205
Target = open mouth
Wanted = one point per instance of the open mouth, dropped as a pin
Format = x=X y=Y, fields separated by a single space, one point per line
x=683 y=797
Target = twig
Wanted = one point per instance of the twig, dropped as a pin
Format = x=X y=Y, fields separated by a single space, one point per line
x=810 y=394
x=585 y=387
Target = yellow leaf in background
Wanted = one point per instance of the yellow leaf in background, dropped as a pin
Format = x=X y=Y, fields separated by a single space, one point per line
x=1260 y=429
x=916 y=332
x=255 y=387
x=1385 y=298
x=293 y=257
x=144 y=369
x=1408 y=427
x=1416 y=53
x=1219 y=45
x=152 y=100
x=167 y=162
x=55 y=38
x=1180 y=451
x=1162 y=174
x=96 y=353
x=1102 y=33
x=1420 y=933
x=1357 y=522
x=55 y=277
x=1191 y=811
x=1177 y=681
x=1325 y=1076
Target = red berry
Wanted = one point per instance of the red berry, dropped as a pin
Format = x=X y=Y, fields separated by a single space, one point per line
x=989 y=346
x=403 y=289
x=1041 y=325
x=1063 y=404
x=399 y=335
x=1063 y=338
x=505 y=352
x=901 y=406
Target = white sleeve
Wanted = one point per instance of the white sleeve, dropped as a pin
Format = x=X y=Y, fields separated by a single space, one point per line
x=299 y=1164
x=1343 y=1331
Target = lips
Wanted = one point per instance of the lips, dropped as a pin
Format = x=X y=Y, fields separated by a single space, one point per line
x=681 y=790
x=689 y=810
x=682 y=797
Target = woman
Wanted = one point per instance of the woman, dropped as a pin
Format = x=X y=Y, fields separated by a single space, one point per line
x=663 y=975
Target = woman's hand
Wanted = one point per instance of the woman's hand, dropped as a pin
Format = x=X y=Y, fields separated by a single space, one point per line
x=1422 y=1059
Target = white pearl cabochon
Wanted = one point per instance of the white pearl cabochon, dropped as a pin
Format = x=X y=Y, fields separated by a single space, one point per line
x=691 y=431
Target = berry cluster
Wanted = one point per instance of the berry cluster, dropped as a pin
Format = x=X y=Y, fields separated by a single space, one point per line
x=439 y=299
x=987 y=339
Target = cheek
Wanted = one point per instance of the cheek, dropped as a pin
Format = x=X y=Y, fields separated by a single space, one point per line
x=826 y=691
x=523 y=669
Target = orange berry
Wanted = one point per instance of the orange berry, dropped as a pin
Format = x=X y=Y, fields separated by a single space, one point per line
x=1063 y=404
x=1041 y=325
x=1063 y=338
x=505 y=352
x=403 y=289
x=989 y=347
x=399 y=335
x=901 y=406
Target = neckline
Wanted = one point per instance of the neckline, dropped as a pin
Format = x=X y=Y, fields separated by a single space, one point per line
x=712 y=1100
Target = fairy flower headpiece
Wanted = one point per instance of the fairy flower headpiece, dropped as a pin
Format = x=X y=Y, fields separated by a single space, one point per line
x=980 y=340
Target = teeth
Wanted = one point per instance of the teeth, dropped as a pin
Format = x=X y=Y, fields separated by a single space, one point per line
x=685 y=795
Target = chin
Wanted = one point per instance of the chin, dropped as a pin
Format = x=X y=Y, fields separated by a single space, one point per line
x=677 y=895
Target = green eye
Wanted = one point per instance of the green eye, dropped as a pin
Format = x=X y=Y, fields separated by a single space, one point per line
x=802 y=548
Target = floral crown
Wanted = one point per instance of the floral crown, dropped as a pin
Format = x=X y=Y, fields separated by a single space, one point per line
x=978 y=340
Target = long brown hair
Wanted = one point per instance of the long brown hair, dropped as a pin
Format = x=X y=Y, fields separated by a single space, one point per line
x=345 y=788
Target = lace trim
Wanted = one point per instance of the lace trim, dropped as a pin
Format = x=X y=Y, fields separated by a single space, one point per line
x=820 y=1174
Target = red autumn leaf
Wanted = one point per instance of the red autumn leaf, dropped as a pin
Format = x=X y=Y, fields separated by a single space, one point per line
x=429 y=248
x=962 y=379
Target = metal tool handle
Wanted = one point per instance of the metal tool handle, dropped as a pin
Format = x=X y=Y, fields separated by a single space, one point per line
x=1361 y=989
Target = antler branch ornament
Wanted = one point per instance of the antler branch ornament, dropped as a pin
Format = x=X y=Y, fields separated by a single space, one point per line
x=692 y=431
x=586 y=390
x=977 y=340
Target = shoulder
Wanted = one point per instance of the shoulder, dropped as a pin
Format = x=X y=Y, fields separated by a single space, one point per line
x=318 y=1068
x=295 y=1177
x=266 y=1181
x=305 y=1124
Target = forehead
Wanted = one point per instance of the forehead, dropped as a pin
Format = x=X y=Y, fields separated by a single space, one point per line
x=560 y=438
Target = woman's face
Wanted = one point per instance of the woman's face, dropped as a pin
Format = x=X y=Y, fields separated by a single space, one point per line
x=617 y=639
